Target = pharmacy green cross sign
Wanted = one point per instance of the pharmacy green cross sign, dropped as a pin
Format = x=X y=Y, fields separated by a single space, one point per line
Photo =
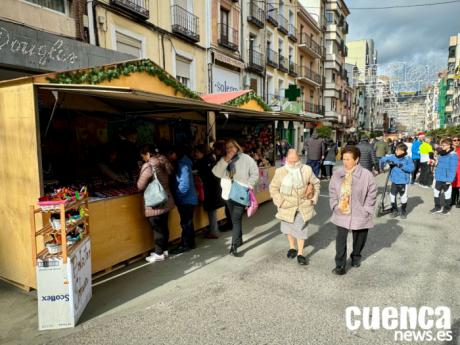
x=292 y=93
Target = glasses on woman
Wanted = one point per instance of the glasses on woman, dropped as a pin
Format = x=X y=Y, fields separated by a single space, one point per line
x=455 y=139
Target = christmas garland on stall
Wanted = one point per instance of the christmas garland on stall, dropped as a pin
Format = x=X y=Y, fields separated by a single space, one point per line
x=101 y=74
x=249 y=97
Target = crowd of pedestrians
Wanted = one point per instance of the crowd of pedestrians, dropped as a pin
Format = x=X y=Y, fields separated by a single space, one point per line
x=224 y=176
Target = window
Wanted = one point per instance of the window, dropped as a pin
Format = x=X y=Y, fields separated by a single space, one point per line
x=253 y=85
x=128 y=44
x=330 y=17
x=224 y=14
x=55 y=5
x=333 y=76
x=183 y=67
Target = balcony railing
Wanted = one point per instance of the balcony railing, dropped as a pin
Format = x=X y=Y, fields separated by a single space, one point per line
x=185 y=23
x=307 y=44
x=313 y=108
x=256 y=14
x=306 y=73
x=228 y=37
x=272 y=58
x=292 y=33
x=138 y=7
x=283 y=64
x=293 y=69
x=256 y=61
x=272 y=14
x=283 y=24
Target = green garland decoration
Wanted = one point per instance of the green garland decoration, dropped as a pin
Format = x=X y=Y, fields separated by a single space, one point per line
x=100 y=74
x=246 y=98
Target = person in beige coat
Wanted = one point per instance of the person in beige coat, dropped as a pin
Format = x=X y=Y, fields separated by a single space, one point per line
x=295 y=191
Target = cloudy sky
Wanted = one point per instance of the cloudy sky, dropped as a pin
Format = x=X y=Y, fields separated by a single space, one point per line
x=417 y=35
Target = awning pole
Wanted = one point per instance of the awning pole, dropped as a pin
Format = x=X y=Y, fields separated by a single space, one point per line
x=56 y=98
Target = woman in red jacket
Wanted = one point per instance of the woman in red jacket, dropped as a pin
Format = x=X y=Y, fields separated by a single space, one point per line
x=456 y=182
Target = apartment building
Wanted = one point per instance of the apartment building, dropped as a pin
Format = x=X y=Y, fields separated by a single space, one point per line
x=363 y=55
x=335 y=73
x=171 y=33
x=311 y=54
x=452 y=108
x=225 y=62
x=39 y=36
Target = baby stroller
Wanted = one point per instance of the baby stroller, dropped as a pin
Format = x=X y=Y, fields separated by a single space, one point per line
x=383 y=197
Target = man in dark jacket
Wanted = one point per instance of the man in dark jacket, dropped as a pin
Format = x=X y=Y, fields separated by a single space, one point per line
x=368 y=159
x=315 y=153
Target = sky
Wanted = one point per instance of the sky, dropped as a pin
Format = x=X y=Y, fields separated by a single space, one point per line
x=417 y=35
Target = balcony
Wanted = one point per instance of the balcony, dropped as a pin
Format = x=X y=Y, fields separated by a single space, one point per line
x=292 y=33
x=136 y=7
x=313 y=108
x=228 y=37
x=256 y=61
x=309 y=46
x=293 y=69
x=185 y=23
x=308 y=76
x=283 y=64
x=256 y=14
x=272 y=58
x=283 y=25
x=345 y=28
x=272 y=15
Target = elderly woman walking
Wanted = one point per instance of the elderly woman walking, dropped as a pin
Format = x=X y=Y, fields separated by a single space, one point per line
x=295 y=190
x=352 y=193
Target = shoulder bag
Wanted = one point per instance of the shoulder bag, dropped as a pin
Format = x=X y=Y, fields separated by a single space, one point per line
x=154 y=194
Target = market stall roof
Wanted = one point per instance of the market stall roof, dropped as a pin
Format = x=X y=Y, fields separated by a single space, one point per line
x=128 y=100
x=245 y=99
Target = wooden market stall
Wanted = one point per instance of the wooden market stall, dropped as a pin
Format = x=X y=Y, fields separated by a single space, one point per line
x=35 y=115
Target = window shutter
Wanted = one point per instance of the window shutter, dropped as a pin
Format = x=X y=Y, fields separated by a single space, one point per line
x=129 y=45
x=182 y=67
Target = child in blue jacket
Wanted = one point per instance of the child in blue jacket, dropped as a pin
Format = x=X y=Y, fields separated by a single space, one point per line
x=401 y=168
x=444 y=174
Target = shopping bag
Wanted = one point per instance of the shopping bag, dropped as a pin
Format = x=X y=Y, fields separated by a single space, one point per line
x=199 y=188
x=154 y=194
x=254 y=205
x=239 y=194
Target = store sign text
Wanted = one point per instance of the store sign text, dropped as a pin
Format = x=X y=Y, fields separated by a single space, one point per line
x=54 y=298
x=43 y=52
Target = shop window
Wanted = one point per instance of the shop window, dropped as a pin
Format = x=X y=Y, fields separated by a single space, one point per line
x=128 y=44
x=55 y=5
x=183 y=67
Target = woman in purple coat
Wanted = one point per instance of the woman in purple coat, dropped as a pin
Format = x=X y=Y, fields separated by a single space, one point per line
x=352 y=193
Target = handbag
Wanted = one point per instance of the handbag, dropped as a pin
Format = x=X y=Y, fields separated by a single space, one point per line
x=254 y=205
x=239 y=194
x=154 y=194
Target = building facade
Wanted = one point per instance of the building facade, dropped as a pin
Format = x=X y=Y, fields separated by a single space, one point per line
x=335 y=73
x=452 y=109
x=52 y=38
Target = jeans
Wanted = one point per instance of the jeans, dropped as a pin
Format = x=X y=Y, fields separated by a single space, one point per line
x=186 y=222
x=416 y=169
x=315 y=166
x=236 y=213
x=159 y=225
x=359 y=240
x=212 y=217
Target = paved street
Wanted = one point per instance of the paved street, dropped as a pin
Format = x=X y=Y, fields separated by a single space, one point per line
x=208 y=297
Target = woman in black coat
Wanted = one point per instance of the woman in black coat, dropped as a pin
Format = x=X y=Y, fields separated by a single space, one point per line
x=205 y=161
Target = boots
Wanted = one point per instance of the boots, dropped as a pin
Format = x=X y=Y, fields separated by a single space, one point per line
x=394 y=210
x=403 y=211
x=234 y=251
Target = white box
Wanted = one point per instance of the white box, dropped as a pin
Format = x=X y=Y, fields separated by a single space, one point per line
x=64 y=290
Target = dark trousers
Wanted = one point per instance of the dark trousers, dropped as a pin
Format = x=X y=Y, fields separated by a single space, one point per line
x=315 y=166
x=416 y=169
x=328 y=169
x=228 y=217
x=455 y=196
x=236 y=213
x=159 y=225
x=446 y=188
x=426 y=177
x=359 y=240
x=186 y=222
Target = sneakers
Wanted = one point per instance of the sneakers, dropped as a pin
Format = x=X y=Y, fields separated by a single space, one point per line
x=394 y=213
x=436 y=210
x=339 y=270
x=302 y=260
x=154 y=257
x=445 y=211
x=403 y=214
x=165 y=254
